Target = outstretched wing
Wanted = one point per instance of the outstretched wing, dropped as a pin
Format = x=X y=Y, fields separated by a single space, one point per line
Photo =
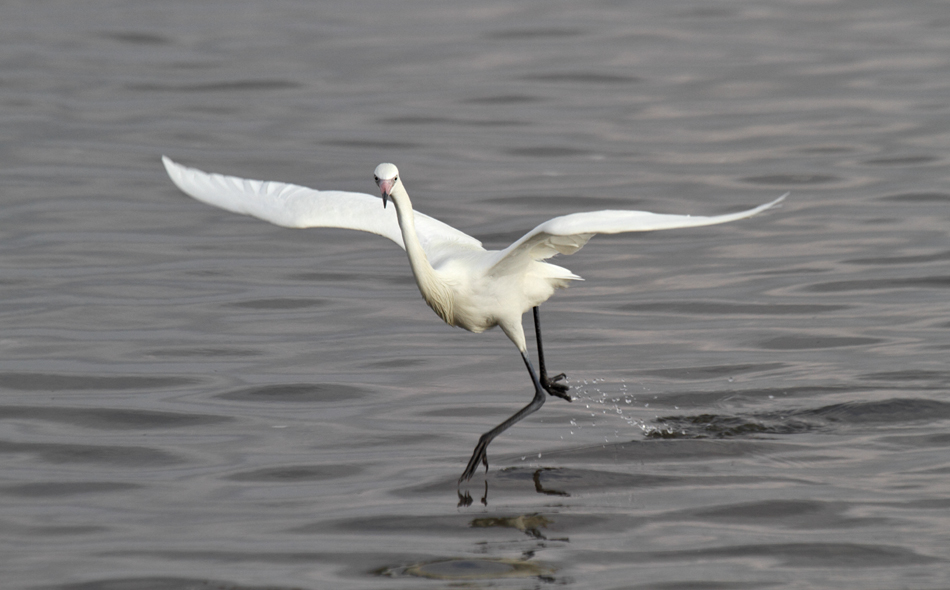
x=569 y=233
x=290 y=205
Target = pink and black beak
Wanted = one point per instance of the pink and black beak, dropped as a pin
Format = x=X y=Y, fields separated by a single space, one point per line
x=385 y=187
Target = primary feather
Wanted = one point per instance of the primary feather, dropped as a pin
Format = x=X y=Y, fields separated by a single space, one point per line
x=569 y=233
x=294 y=206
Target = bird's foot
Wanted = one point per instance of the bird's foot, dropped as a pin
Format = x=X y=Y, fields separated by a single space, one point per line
x=480 y=455
x=554 y=388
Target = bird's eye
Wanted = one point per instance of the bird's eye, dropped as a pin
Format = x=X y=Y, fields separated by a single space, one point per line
x=376 y=178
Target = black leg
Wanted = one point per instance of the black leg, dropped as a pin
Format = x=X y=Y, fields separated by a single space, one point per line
x=480 y=454
x=550 y=385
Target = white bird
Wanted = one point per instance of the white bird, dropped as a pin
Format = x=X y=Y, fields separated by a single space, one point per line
x=465 y=284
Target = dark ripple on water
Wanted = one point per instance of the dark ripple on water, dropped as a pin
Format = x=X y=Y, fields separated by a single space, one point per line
x=110 y=419
x=163 y=583
x=830 y=418
x=296 y=392
x=54 y=382
x=928 y=282
x=929 y=197
x=116 y=456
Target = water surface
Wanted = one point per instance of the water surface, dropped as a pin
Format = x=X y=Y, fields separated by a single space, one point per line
x=194 y=399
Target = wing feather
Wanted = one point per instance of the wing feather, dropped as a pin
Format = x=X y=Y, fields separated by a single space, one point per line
x=569 y=233
x=294 y=206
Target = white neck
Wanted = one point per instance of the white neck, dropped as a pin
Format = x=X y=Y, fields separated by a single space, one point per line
x=431 y=286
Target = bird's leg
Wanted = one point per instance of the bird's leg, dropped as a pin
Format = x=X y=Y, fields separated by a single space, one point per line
x=480 y=454
x=550 y=385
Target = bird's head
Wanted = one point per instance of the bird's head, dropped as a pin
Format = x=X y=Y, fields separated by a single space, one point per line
x=387 y=176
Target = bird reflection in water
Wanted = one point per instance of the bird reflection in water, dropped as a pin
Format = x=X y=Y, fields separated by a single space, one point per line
x=529 y=524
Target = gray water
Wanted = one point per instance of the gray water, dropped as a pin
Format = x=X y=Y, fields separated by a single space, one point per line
x=195 y=399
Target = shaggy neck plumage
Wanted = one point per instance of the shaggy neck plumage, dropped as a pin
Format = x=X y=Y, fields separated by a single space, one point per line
x=430 y=284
